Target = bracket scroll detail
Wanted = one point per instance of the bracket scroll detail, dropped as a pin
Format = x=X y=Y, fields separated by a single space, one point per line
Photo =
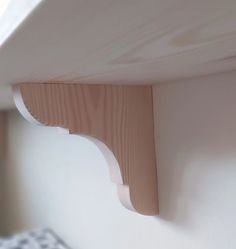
x=118 y=118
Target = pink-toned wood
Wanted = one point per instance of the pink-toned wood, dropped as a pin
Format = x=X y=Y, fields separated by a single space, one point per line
x=119 y=119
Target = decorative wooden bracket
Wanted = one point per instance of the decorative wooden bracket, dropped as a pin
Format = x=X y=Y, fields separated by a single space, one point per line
x=119 y=119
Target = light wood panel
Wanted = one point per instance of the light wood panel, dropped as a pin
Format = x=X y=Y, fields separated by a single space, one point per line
x=121 y=42
x=119 y=119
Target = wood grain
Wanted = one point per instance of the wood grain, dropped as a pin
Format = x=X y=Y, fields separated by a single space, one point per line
x=119 y=119
x=121 y=42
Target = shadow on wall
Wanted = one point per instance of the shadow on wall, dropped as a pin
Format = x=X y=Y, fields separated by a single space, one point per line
x=196 y=144
x=14 y=189
x=2 y=163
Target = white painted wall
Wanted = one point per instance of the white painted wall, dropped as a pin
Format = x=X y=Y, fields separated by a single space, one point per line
x=62 y=181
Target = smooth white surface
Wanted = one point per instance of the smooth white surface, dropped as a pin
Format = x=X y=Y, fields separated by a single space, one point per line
x=120 y=42
x=63 y=181
x=12 y=14
x=3 y=6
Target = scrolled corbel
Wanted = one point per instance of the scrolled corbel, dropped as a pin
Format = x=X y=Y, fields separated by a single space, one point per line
x=118 y=118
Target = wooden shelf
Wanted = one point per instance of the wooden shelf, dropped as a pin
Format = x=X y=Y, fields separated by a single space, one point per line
x=119 y=42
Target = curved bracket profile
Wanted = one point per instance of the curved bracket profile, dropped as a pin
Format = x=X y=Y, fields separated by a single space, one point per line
x=118 y=118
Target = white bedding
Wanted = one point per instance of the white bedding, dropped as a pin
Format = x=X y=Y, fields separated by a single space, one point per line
x=36 y=239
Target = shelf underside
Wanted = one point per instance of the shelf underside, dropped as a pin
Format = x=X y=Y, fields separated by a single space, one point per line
x=120 y=42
